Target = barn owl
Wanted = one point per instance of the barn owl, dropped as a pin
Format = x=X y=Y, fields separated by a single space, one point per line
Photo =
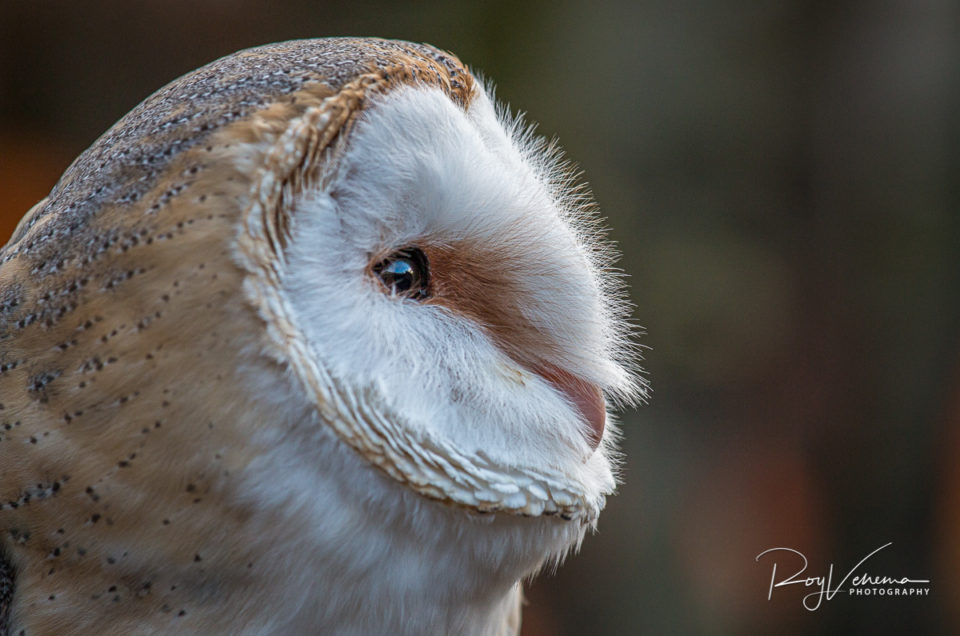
x=316 y=339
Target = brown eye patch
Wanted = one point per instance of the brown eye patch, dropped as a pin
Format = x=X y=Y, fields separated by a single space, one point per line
x=482 y=284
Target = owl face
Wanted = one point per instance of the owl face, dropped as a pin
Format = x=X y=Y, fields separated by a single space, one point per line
x=442 y=278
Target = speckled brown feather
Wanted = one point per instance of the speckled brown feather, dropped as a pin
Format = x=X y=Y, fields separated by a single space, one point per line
x=120 y=311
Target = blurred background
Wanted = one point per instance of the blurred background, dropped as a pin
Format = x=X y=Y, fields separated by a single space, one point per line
x=782 y=178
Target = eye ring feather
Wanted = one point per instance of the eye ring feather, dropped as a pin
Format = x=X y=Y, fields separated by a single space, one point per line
x=405 y=273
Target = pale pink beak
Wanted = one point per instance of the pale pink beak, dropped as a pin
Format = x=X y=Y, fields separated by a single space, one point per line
x=585 y=396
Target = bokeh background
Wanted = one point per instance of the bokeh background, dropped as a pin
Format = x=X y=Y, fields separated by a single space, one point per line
x=782 y=177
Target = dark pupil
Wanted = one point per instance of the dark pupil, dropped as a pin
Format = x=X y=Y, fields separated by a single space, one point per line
x=405 y=273
x=399 y=275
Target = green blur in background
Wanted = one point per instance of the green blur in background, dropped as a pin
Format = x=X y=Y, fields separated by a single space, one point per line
x=782 y=178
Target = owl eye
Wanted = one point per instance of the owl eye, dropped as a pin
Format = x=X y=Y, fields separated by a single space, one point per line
x=405 y=273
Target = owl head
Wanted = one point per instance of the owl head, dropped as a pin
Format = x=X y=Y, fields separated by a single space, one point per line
x=330 y=280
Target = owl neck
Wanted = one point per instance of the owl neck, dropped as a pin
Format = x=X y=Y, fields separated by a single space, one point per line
x=359 y=553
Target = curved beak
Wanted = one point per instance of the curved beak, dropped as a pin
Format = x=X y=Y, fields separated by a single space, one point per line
x=585 y=396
